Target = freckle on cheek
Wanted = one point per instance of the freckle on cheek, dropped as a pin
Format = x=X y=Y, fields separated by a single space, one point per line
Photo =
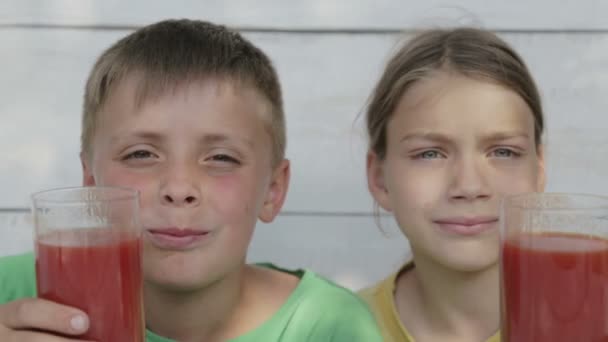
x=225 y=181
x=427 y=205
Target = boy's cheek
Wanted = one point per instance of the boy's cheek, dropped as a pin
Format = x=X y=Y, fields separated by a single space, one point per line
x=232 y=194
x=125 y=178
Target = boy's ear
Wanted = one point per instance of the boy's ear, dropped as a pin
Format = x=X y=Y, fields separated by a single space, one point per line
x=376 y=181
x=277 y=191
x=87 y=172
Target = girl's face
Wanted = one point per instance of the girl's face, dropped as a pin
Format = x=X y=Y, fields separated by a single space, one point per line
x=455 y=146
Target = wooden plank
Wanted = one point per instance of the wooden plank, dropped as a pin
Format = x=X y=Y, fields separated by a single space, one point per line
x=16 y=233
x=317 y=14
x=352 y=251
x=326 y=79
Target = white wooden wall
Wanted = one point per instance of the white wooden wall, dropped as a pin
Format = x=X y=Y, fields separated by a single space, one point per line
x=328 y=55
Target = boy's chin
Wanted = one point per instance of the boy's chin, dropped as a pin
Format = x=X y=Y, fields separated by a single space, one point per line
x=177 y=285
x=185 y=275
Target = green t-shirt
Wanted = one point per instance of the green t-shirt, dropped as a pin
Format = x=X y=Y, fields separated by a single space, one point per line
x=316 y=311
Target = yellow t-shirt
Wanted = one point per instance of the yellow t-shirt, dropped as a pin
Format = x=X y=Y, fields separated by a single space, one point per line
x=380 y=300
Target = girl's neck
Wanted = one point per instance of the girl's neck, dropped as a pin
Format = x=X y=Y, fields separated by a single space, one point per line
x=438 y=303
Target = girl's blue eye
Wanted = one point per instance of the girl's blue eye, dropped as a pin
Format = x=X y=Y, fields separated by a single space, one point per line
x=429 y=154
x=504 y=153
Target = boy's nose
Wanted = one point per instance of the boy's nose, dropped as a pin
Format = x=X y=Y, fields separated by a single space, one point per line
x=180 y=190
x=180 y=200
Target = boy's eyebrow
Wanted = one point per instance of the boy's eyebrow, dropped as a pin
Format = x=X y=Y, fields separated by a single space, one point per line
x=214 y=138
x=140 y=134
x=207 y=139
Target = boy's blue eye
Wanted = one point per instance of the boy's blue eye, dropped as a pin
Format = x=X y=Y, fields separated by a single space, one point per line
x=139 y=154
x=224 y=158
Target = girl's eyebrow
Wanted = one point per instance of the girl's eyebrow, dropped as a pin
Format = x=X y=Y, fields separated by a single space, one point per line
x=444 y=138
x=500 y=136
x=430 y=136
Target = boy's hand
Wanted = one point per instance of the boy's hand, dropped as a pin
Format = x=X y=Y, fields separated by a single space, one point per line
x=26 y=320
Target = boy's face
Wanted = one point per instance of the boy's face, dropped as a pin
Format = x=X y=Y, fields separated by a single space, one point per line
x=200 y=157
x=455 y=147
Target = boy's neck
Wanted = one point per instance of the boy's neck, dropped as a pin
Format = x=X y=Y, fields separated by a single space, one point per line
x=436 y=302
x=198 y=315
x=232 y=307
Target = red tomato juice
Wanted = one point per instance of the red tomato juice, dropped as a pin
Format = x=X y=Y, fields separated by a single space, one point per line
x=555 y=288
x=103 y=278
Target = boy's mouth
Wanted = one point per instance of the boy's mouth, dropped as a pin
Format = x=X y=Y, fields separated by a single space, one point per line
x=176 y=238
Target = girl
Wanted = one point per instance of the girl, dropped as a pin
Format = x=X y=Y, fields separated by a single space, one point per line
x=455 y=123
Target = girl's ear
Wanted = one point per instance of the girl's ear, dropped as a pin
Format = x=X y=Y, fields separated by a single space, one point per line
x=376 y=181
x=542 y=174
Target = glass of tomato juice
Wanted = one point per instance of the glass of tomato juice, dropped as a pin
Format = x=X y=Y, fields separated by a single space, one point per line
x=554 y=267
x=89 y=256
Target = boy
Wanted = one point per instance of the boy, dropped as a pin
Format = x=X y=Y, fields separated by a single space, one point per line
x=190 y=114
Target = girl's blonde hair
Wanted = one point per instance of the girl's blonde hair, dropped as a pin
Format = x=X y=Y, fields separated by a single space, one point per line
x=471 y=52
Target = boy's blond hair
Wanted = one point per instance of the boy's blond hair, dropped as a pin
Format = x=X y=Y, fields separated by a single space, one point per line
x=171 y=53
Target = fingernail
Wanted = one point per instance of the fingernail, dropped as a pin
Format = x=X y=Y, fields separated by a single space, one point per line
x=79 y=323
